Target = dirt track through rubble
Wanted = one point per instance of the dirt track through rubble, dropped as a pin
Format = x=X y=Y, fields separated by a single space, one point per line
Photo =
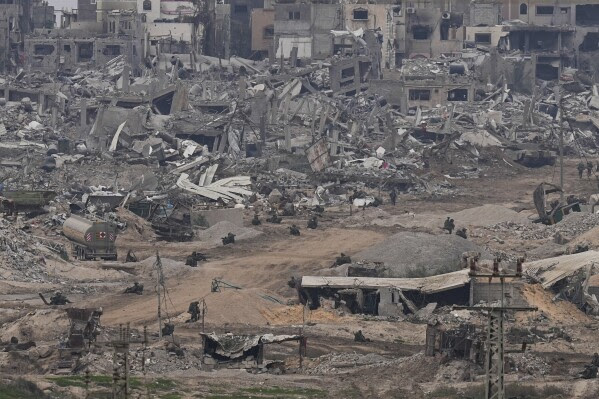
x=264 y=271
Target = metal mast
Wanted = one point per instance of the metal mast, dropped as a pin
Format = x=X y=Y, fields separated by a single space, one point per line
x=494 y=347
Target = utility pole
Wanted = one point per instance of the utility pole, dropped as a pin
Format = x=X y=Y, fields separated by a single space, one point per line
x=204 y=308
x=558 y=117
x=159 y=284
x=494 y=347
x=120 y=365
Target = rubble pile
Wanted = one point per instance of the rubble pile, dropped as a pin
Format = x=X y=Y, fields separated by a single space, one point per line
x=21 y=257
x=376 y=173
x=572 y=226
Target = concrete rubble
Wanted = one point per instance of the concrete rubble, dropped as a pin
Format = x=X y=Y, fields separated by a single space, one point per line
x=440 y=159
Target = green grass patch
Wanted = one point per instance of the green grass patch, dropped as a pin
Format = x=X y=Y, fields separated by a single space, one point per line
x=100 y=395
x=171 y=396
x=95 y=380
x=445 y=393
x=227 y=396
x=21 y=389
x=162 y=384
x=278 y=392
x=269 y=393
x=515 y=391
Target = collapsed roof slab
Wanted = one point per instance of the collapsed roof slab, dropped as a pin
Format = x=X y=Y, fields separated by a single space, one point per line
x=424 y=285
x=552 y=270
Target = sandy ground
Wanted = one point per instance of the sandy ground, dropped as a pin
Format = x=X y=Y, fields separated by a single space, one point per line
x=262 y=265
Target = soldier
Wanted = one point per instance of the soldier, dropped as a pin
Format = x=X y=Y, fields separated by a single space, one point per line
x=589 y=169
x=294 y=230
x=195 y=257
x=194 y=311
x=359 y=337
x=449 y=225
x=289 y=209
x=461 y=233
x=130 y=257
x=580 y=169
x=393 y=196
x=59 y=299
x=274 y=219
x=312 y=223
x=229 y=239
x=192 y=260
x=342 y=260
x=256 y=221
x=168 y=329
x=137 y=288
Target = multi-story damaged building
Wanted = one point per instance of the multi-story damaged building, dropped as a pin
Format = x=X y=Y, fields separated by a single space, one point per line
x=552 y=36
x=173 y=27
x=52 y=50
x=427 y=84
x=17 y=19
x=307 y=27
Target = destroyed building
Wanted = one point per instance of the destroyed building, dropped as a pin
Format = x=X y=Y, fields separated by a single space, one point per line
x=408 y=186
x=67 y=49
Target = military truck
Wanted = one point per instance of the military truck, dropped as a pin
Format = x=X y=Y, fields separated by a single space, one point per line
x=29 y=201
x=91 y=239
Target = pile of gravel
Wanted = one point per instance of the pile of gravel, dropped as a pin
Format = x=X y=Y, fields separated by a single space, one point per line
x=221 y=229
x=573 y=225
x=487 y=215
x=409 y=254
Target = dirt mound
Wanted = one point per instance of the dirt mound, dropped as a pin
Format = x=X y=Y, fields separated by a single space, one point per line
x=138 y=229
x=170 y=267
x=408 y=254
x=221 y=229
x=295 y=315
x=562 y=312
x=488 y=215
x=39 y=325
x=244 y=306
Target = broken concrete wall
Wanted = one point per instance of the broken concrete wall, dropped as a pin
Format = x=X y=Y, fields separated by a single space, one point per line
x=371 y=16
x=177 y=31
x=51 y=54
x=43 y=16
x=484 y=35
x=105 y=8
x=518 y=72
x=210 y=217
x=484 y=13
x=42 y=54
x=347 y=75
x=391 y=90
x=219 y=43
x=108 y=121
x=109 y=48
x=589 y=62
x=86 y=10
x=429 y=94
x=390 y=304
x=431 y=32
x=325 y=18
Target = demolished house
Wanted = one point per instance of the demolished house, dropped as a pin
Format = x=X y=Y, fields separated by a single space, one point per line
x=243 y=351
